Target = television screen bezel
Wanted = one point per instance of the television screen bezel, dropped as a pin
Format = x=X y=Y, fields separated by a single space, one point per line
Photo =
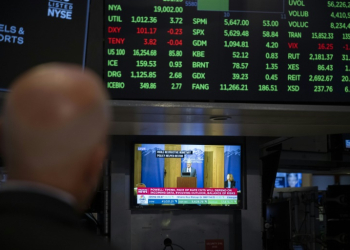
x=187 y=141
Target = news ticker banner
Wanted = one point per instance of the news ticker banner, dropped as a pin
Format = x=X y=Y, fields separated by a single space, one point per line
x=174 y=196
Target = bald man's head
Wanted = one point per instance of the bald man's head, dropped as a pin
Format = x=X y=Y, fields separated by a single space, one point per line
x=54 y=119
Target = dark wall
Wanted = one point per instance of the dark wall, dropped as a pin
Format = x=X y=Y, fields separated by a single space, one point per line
x=94 y=59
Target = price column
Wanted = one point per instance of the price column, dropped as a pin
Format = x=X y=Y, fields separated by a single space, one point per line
x=322 y=60
x=236 y=35
x=115 y=48
x=145 y=71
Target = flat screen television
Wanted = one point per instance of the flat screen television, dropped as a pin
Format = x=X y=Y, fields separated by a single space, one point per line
x=284 y=180
x=184 y=176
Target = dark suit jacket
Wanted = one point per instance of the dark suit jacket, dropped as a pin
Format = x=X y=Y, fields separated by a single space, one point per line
x=233 y=184
x=193 y=172
x=35 y=221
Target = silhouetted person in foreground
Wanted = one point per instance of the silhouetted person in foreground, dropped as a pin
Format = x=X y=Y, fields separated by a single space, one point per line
x=54 y=137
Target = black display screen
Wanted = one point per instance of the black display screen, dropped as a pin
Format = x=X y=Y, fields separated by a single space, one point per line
x=40 y=31
x=277 y=51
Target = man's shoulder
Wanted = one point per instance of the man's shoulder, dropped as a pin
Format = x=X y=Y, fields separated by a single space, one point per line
x=55 y=230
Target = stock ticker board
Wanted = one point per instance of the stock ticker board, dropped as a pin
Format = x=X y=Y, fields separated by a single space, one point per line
x=276 y=51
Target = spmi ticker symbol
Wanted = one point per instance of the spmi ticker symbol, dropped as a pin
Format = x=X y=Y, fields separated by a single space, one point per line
x=62 y=9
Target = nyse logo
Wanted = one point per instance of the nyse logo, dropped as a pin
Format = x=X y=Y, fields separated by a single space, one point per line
x=62 y=9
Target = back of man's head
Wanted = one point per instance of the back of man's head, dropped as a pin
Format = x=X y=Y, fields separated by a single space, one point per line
x=55 y=122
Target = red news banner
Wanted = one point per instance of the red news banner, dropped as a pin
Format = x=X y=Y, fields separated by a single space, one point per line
x=187 y=191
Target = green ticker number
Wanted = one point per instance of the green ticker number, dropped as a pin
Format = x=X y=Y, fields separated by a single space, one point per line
x=143 y=74
x=271 y=56
x=323 y=67
x=241 y=77
x=320 y=57
x=175 y=75
x=319 y=35
x=345 y=57
x=272 y=66
x=341 y=15
x=176 y=20
x=150 y=64
x=168 y=9
x=320 y=78
x=347 y=89
x=272 y=45
x=236 y=33
x=345 y=78
x=320 y=89
x=147 y=85
x=176 y=86
x=144 y=52
x=144 y=19
x=233 y=87
x=175 y=64
x=338 y=4
x=240 y=55
x=175 y=53
x=236 y=22
x=272 y=77
x=236 y=44
x=272 y=23
x=268 y=88
x=240 y=65
x=346 y=36
x=270 y=34
x=344 y=26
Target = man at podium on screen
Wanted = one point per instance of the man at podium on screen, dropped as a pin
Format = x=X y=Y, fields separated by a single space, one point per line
x=189 y=171
x=230 y=182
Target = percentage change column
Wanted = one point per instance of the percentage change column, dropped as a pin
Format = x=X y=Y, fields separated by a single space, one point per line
x=322 y=60
x=174 y=41
x=236 y=35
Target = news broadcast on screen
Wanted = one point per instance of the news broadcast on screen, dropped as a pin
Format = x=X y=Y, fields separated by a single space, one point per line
x=182 y=175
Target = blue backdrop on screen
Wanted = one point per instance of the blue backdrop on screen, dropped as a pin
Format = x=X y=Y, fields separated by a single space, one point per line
x=197 y=159
x=232 y=163
x=152 y=170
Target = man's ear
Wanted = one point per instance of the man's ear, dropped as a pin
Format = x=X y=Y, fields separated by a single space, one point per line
x=95 y=164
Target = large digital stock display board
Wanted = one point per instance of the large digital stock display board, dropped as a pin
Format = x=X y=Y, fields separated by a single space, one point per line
x=277 y=51
x=40 y=31
x=181 y=175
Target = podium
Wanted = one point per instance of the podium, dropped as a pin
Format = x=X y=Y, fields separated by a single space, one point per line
x=187 y=182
